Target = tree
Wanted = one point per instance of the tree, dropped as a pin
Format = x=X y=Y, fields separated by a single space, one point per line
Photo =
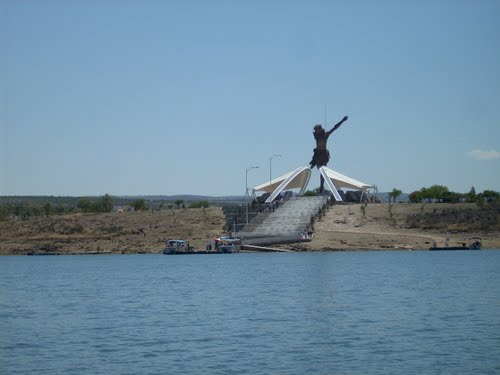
x=437 y=192
x=84 y=204
x=107 y=203
x=179 y=203
x=416 y=197
x=452 y=197
x=426 y=194
x=471 y=195
x=5 y=211
x=489 y=196
x=139 y=205
x=394 y=194
x=312 y=193
x=199 y=204
x=47 y=209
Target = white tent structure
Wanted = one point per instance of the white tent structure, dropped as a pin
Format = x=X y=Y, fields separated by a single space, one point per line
x=296 y=179
x=335 y=181
x=299 y=178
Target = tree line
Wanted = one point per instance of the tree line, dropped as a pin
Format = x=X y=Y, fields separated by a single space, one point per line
x=26 y=207
x=441 y=194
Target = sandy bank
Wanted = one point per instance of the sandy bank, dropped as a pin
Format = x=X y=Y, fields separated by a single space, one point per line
x=385 y=226
x=343 y=227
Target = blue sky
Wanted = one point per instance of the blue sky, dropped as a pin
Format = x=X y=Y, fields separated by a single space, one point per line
x=181 y=97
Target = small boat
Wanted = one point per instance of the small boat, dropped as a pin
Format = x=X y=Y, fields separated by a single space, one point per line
x=227 y=245
x=475 y=244
x=178 y=247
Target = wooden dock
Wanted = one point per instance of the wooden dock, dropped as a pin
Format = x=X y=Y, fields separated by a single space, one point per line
x=264 y=249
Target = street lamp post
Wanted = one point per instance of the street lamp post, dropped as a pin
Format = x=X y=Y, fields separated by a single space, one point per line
x=270 y=165
x=246 y=189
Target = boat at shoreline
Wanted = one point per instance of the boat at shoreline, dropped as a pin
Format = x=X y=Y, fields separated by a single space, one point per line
x=475 y=244
x=178 y=247
x=227 y=245
x=220 y=245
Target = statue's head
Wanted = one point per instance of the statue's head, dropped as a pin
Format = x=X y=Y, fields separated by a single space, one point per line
x=318 y=129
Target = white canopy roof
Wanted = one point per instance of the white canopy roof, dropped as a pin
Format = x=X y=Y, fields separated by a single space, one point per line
x=335 y=181
x=299 y=178
x=342 y=181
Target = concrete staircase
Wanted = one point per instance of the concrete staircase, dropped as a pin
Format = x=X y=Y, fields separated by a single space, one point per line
x=285 y=223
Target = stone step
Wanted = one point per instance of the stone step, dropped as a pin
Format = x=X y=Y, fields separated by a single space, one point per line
x=289 y=219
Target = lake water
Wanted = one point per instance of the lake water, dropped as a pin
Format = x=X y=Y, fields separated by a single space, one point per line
x=388 y=312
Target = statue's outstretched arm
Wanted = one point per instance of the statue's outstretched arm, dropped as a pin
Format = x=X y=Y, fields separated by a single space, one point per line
x=337 y=125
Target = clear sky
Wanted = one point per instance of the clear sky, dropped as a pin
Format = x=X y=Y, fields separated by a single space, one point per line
x=181 y=97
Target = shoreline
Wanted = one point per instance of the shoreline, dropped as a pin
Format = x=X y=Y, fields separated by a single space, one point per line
x=345 y=227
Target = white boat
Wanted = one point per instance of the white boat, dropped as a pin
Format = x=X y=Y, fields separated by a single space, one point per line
x=177 y=247
x=227 y=245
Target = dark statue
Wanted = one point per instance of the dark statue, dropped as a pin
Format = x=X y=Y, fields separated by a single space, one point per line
x=321 y=154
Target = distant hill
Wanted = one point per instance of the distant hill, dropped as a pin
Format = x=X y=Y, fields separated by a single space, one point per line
x=72 y=200
x=185 y=197
x=69 y=201
x=383 y=197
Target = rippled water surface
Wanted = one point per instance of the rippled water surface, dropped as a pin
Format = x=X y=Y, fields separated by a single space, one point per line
x=323 y=313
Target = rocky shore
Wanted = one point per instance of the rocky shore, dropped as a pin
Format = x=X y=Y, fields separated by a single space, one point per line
x=343 y=227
